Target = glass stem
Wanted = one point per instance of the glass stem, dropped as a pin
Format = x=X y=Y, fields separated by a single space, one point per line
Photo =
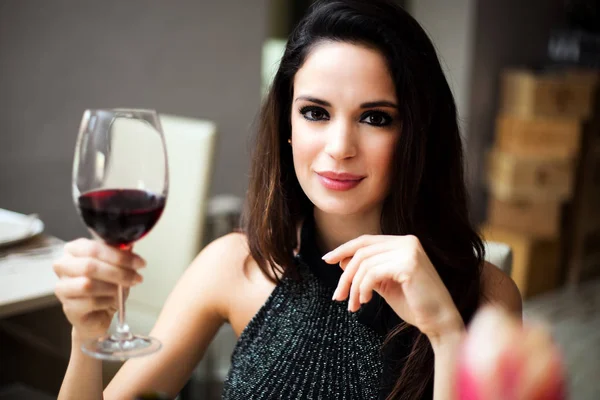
x=123 y=332
x=122 y=327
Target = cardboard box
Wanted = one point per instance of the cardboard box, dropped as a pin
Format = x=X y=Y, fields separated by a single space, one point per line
x=545 y=137
x=512 y=177
x=540 y=220
x=527 y=94
x=536 y=262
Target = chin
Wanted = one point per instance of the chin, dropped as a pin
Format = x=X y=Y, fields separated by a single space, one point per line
x=343 y=205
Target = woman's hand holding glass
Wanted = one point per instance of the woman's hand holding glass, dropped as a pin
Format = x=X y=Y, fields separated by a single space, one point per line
x=90 y=273
x=120 y=188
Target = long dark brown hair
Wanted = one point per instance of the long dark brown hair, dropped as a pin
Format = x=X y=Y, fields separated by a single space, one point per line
x=427 y=197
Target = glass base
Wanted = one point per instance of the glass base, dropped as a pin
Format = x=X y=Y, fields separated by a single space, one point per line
x=118 y=347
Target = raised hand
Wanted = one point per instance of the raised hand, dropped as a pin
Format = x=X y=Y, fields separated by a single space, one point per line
x=398 y=269
x=89 y=273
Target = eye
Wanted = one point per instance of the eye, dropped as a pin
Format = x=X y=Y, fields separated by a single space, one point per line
x=314 y=113
x=376 y=118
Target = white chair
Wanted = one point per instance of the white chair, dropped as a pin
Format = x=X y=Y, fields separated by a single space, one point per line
x=499 y=254
x=177 y=238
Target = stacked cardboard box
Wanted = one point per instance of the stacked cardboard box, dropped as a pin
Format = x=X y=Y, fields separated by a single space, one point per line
x=531 y=170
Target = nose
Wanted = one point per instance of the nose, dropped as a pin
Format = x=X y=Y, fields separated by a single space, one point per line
x=341 y=141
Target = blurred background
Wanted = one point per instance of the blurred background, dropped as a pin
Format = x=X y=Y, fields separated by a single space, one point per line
x=524 y=76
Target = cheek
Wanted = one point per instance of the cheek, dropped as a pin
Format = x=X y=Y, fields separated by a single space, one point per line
x=306 y=145
x=380 y=156
x=304 y=156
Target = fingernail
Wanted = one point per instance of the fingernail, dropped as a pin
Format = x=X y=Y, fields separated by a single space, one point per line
x=361 y=299
x=138 y=279
x=138 y=263
x=335 y=293
x=326 y=256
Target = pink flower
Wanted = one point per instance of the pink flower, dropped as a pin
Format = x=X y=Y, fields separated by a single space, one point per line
x=502 y=360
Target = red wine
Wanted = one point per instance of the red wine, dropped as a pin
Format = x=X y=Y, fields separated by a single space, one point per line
x=120 y=216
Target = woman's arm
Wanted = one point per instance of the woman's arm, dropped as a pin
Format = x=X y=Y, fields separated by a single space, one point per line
x=398 y=268
x=83 y=379
x=445 y=350
x=497 y=289
x=190 y=318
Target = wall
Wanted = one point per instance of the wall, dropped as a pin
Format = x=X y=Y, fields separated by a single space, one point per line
x=450 y=27
x=476 y=40
x=193 y=58
x=507 y=33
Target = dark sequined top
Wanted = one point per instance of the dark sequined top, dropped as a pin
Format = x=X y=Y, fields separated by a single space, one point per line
x=303 y=345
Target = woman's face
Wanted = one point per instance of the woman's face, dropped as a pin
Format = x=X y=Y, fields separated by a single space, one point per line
x=345 y=125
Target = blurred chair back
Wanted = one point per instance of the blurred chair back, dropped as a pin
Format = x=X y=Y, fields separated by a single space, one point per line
x=177 y=238
x=499 y=254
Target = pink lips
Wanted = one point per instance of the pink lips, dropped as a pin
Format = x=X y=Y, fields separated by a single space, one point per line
x=339 y=180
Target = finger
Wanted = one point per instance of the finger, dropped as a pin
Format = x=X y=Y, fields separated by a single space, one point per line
x=57 y=266
x=376 y=259
x=111 y=255
x=349 y=248
x=78 y=308
x=82 y=286
x=376 y=276
x=343 y=288
x=344 y=263
x=98 y=270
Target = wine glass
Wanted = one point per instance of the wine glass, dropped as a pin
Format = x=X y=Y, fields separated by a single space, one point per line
x=120 y=185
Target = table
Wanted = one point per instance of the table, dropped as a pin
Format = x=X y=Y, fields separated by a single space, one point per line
x=27 y=280
x=34 y=333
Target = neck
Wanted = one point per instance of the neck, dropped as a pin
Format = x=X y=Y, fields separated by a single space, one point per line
x=335 y=230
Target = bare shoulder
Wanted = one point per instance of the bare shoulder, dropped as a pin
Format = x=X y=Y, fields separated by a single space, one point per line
x=228 y=271
x=222 y=261
x=223 y=255
x=499 y=288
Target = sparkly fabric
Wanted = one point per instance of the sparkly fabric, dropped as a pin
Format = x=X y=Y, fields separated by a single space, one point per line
x=303 y=345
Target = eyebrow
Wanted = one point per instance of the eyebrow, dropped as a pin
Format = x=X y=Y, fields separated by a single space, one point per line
x=371 y=104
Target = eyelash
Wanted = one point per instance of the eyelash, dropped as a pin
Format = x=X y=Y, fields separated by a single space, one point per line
x=387 y=119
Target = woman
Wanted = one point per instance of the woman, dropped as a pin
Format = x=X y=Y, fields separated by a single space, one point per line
x=357 y=160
